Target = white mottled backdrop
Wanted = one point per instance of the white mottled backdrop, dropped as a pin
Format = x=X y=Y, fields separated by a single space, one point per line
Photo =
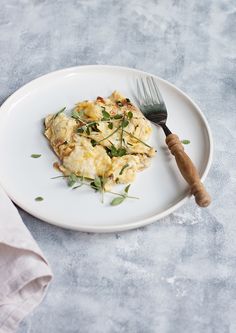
x=179 y=274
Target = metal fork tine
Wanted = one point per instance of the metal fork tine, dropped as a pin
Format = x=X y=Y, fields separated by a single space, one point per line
x=157 y=90
x=140 y=98
x=147 y=97
x=153 y=94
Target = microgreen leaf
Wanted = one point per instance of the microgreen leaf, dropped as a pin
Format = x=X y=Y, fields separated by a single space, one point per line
x=121 y=152
x=97 y=182
x=94 y=127
x=39 y=199
x=135 y=137
x=117 y=201
x=114 y=152
x=77 y=114
x=185 y=142
x=117 y=129
x=106 y=115
x=110 y=125
x=130 y=115
x=118 y=116
x=125 y=123
x=36 y=155
x=123 y=168
x=60 y=111
x=80 y=185
x=127 y=189
x=71 y=179
x=93 y=142
x=74 y=114
x=80 y=130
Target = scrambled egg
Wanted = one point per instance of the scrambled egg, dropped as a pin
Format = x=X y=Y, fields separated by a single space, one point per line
x=105 y=137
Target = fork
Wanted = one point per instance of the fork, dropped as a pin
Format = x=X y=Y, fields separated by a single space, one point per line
x=153 y=107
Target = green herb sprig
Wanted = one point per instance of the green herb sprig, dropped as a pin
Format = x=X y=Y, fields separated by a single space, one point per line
x=60 y=111
x=123 y=168
x=118 y=200
x=98 y=184
x=35 y=155
x=116 y=152
x=38 y=199
x=136 y=138
x=185 y=142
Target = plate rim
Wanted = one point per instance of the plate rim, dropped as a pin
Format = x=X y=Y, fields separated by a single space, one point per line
x=113 y=228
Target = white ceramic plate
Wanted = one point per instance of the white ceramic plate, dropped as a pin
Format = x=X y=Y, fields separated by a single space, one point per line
x=161 y=188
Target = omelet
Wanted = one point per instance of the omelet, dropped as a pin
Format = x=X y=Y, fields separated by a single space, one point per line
x=103 y=138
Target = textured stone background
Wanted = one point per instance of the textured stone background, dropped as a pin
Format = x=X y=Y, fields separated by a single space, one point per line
x=177 y=275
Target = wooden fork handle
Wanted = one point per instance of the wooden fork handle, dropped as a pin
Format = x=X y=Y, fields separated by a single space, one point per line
x=188 y=170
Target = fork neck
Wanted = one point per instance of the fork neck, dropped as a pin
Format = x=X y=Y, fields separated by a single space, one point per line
x=165 y=129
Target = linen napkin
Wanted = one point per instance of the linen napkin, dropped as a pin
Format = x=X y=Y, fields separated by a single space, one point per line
x=24 y=271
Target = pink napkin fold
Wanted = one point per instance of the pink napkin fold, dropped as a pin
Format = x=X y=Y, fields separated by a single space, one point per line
x=24 y=271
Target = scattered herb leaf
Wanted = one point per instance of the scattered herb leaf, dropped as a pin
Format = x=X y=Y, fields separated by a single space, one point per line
x=71 y=180
x=39 y=199
x=117 y=201
x=80 y=130
x=117 y=129
x=106 y=115
x=58 y=177
x=123 y=168
x=80 y=185
x=125 y=123
x=110 y=125
x=60 y=111
x=77 y=114
x=36 y=155
x=127 y=188
x=94 y=127
x=121 y=152
x=97 y=182
x=185 y=142
x=118 y=116
x=93 y=142
x=130 y=115
x=74 y=114
x=116 y=152
x=135 y=137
